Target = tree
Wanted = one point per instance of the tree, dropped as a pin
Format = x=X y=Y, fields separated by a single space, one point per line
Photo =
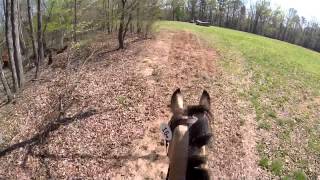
x=40 y=40
x=192 y=8
x=211 y=8
x=126 y=9
x=106 y=12
x=202 y=10
x=31 y=32
x=177 y=7
x=262 y=11
x=16 y=42
x=221 y=8
x=75 y=22
x=9 y=40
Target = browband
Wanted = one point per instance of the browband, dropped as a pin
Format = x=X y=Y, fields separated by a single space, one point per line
x=184 y=120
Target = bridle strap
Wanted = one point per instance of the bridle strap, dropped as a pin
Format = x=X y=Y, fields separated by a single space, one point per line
x=185 y=120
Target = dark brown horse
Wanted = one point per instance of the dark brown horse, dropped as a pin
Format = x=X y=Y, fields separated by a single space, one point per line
x=191 y=133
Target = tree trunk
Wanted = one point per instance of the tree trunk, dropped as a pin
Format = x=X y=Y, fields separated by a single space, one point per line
x=111 y=17
x=120 y=33
x=40 y=40
x=121 y=25
x=104 y=7
x=233 y=15
x=173 y=13
x=16 y=42
x=75 y=22
x=108 y=12
x=24 y=48
x=138 y=20
x=126 y=27
x=8 y=28
x=227 y=21
x=5 y=83
x=33 y=39
x=255 y=24
x=106 y=24
x=193 y=8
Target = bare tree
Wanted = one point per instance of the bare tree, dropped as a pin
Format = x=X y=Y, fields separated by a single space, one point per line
x=126 y=10
x=16 y=42
x=24 y=49
x=33 y=39
x=109 y=16
x=8 y=29
x=192 y=5
x=106 y=14
x=40 y=40
x=121 y=26
x=75 y=22
x=139 y=21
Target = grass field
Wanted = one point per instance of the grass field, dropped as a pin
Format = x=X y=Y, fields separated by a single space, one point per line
x=284 y=90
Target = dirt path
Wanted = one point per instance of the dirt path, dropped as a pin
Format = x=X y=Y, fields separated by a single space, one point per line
x=131 y=94
x=182 y=60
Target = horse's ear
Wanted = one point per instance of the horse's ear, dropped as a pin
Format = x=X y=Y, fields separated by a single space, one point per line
x=205 y=99
x=176 y=101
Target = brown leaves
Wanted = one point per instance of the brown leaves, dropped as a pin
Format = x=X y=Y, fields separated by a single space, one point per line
x=81 y=148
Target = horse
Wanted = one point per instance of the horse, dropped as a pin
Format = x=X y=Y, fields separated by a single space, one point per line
x=191 y=133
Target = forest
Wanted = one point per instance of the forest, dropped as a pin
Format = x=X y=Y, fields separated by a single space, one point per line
x=34 y=31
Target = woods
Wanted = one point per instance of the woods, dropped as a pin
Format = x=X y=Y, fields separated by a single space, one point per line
x=256 y=17
x=32 y=30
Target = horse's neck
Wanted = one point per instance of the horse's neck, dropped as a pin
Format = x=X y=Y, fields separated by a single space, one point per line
x=178 y=153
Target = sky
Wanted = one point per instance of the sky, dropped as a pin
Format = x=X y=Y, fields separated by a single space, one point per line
x=307 y=8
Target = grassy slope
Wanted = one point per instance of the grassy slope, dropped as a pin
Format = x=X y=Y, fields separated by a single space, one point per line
x=284 y=92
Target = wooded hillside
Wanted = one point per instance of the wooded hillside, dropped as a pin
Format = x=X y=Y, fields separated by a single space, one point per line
x=33 y=31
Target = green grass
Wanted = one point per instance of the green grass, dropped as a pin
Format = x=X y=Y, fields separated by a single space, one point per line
x=264 y=125
x=276 y=167
x=285 y=79
x=264 y=163
x=299 y=175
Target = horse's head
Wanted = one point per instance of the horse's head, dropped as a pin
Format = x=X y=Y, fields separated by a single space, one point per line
x=191 y=132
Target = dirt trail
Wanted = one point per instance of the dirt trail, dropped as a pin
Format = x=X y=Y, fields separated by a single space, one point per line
x=123 y=140
x=182 y=60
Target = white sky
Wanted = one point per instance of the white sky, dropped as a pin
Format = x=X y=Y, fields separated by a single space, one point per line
x=307 y=8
